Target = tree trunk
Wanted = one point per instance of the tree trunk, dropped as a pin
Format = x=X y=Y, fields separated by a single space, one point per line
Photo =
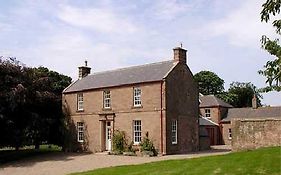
x=37 y=145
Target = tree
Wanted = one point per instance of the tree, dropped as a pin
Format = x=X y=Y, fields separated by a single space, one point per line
x=30 y=104
x=209 y=82
x=240 y=95
x=272 y=69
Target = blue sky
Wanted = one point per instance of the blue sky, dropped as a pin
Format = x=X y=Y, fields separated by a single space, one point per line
x=220 y=36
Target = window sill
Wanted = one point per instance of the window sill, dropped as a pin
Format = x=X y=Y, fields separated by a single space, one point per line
x=136 y=144
x=80 y=141
x=80 y=110
x=107 y=109
x=174 y=143
x=136 y=107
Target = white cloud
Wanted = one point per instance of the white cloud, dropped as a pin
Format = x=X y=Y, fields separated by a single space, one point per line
x=115 y=34
x=168 y=9
x=101 y=20
x=243 y=26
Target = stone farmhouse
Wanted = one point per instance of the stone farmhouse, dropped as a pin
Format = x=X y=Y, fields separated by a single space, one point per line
x=243 y=128
x=159 y=98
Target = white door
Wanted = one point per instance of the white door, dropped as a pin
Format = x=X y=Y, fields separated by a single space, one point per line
x=108 y=136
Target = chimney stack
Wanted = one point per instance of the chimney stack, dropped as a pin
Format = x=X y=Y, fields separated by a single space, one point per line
x=254 y=102
x=84 y=70
x=180 y=55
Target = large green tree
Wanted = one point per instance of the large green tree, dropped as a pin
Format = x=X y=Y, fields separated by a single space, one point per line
x=240 y=94
x=209 y=82
x=30 y=104
x=272 y=69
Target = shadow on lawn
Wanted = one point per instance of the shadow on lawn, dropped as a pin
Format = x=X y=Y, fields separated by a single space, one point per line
x=32 y=159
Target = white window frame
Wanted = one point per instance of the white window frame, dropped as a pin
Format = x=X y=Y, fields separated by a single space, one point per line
x=137 y=131
x=137 y=96
x=208 y=114
x=80 y=102
x=80 y=132
x=229 y=133
x=174 y=134
x=106 y=99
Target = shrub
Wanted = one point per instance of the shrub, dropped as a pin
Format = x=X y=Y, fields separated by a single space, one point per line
x=119 y=141
x=129 y=147
x=147 y=145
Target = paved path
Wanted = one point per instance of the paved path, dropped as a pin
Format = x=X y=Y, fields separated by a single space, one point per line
x=65 y=163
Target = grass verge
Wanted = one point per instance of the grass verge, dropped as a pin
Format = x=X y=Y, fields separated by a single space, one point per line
x=262 y=161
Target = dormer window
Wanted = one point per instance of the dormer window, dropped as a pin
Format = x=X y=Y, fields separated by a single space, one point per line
x=80 y=102
x=106 y=99
x=207 y=113
x=137 y=96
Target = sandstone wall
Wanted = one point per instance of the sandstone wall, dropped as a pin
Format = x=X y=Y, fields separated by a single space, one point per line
x=255 y=133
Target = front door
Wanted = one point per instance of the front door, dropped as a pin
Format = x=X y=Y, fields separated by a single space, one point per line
x=108 y=134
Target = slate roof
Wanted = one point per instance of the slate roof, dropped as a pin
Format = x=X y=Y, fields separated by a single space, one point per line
x=203 y=121
x=130 y=75
x=250 y=113
x=211 y=101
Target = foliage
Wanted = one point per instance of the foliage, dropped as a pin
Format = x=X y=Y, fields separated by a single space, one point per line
x=209 y=82
x=129 y=147
x=147 y=145
x=272 y=69
x=229 y=98
x=240 y=94
x=30 y=104
x=119 y=141
x=232 y=163
x=9 y=155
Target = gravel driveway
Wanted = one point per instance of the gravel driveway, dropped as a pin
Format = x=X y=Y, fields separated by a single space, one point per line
x=65 y=163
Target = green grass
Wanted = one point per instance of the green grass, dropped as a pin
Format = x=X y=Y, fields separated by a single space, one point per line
x=9 y=154
x=262 y=161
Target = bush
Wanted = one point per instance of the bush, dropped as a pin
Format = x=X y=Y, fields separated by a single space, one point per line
x=129 y=147
x=119 y=141
x=147 y=145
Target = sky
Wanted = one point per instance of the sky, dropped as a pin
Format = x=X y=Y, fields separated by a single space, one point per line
x=220 y=36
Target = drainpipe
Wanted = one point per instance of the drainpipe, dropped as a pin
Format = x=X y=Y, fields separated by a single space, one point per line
x=161 y=119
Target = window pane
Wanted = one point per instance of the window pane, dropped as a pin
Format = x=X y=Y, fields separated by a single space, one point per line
x=80 y=101
x=174 y=132
x=106 y=99
x=80 y=131
x=137 y=131
x=137 y=96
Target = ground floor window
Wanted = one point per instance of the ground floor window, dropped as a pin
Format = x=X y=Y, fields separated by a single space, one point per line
x=229 y=133
x=137 y=131
x=174 y=131
x=80 y=131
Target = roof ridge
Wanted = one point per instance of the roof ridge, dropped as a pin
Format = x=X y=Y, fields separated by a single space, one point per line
x=262 y=107
x=130 y=67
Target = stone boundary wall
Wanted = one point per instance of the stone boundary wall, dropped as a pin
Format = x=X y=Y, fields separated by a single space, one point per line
x=250 y=134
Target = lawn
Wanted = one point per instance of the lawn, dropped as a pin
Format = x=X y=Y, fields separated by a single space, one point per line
x=9 y=154
x=262 y=161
